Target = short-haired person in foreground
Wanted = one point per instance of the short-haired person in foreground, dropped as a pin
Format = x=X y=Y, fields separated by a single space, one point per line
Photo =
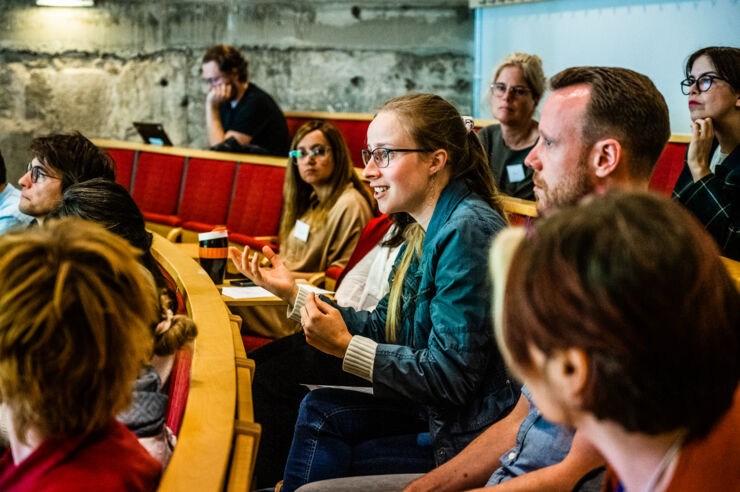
x=58 y=162
x=601 y=128
x=240 y=116
x=427 y=348
x=709 y=185
x=623 y=322
x=10 y=216
x=75 y=314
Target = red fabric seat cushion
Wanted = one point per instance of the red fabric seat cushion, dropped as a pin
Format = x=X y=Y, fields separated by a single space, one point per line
x=255 y=244
x=207 y=191
x=170 y=220
x=668 y=168
x=258 y=199
x=157 y=182
x=124 y=160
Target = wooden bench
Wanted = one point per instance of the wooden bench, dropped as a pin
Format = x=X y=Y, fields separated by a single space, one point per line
x=218 y=439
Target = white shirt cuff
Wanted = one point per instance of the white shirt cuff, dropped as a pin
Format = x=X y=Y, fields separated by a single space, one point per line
x=360 y=357
x=294 y=311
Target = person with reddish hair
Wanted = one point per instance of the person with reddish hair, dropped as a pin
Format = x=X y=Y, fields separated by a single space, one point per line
x=75 y=313
x=623 y=322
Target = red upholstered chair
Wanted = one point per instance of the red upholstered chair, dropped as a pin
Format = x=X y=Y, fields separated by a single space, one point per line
x=124 y=160
x=355 y=134
x=206 y=194
x=668 y=168
x=179 y=388
x=256 y=203
x=157 y=186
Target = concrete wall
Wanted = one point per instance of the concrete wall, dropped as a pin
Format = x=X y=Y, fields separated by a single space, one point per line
x=98 y=69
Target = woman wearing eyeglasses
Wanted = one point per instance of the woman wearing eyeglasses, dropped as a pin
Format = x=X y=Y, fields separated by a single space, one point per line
x=325 y=208
x=427 y=348
x=709 y=185
x=518 y=84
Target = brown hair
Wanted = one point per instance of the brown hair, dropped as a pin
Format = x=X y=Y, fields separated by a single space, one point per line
x=75 y=312
x=531 y=68
x=624 y=105
x=228 y=59
x=636 y=283
x=726 y=61
x=74 y=157
x=434 y=123
x=297 y=193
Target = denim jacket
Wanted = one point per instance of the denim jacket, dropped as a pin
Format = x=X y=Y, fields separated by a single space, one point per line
x=445 y=357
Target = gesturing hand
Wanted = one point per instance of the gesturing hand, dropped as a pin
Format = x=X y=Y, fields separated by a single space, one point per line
x=697 y=157
x=278 y=279
x=324 y=327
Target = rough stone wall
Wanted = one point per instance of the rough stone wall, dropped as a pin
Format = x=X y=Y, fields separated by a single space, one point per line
x=97 y=70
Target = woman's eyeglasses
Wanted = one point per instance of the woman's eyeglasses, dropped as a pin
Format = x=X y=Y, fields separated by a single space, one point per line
x=300 y=154
x=499 y=90
x=381 y=157
x=703 y=83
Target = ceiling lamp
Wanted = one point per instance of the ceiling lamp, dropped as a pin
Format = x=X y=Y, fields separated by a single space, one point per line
x=65 y=3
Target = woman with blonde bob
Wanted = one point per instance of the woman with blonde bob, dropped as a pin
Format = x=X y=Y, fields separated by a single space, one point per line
x=427 y=348
x=325 y=208
x=75 y=314
x=622 y=321
x=516 y=88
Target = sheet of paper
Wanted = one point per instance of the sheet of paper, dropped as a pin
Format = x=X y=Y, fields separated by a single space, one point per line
x=359 y=389
x=255 y=292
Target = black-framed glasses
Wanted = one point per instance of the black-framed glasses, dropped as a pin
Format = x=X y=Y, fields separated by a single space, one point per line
x=37 y=172
x=703 y=83
x=381 y=156
x=317 y=150
x=500 y=89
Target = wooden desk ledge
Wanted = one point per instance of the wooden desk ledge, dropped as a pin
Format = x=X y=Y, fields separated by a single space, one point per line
x=201 y=457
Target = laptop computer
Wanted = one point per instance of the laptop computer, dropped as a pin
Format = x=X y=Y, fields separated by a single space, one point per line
x=153 y=133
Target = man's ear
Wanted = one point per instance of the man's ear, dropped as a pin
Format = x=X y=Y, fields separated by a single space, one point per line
x=439 y=159
x=572 y=374
x=605 y=157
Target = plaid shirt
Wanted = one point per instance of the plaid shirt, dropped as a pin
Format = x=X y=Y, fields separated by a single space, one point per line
x=715 y=200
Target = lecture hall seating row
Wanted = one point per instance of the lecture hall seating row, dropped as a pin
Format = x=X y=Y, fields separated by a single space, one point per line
x=192 y=190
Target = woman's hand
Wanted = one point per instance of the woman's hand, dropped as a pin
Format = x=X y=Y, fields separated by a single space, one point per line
x=702 y=135
x=278 y=279
x=324 y=327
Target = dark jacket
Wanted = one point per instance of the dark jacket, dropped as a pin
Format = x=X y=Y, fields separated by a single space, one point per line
x=715 y=200
x=445 y=357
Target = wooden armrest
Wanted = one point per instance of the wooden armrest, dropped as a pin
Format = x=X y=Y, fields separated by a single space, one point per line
x=518 y=206
x=175 y=235
x=267 y=239
x=317 y=279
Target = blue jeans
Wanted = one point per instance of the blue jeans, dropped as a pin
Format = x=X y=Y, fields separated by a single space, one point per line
x=343 y=433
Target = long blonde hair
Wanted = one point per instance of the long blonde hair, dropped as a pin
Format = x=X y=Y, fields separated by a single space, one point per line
x=297 y=193
x=434 y=123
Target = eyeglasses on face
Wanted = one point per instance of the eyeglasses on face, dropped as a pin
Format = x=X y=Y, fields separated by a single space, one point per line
x=381 y=156
x=703 y=83
x=37 y=172
x=316 y=150
x=500 y=89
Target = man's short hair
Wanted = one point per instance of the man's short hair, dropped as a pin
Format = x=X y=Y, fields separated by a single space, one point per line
x=75 y=314
x=3 y=172
x=228 y=58
x=74 y=157
x=624 y=105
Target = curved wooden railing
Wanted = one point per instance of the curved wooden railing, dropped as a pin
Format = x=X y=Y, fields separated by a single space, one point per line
x=201 y=457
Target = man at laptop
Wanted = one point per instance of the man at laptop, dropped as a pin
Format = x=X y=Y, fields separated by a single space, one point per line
x=240 y=116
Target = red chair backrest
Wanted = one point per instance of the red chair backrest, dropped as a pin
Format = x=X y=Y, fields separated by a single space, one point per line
x=207 y=191
x=257 y=201
x=179 y=388
x=371 y=235
x=157 y=182
x=124 y=160
x=668 y=167
x=353 y=131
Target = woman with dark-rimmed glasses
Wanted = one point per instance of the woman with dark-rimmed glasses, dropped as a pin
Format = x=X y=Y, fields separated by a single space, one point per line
x=516 y=88
x=709 y=185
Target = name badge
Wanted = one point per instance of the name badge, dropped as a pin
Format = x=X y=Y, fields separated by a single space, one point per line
x=300 y=231
x=515 y=172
